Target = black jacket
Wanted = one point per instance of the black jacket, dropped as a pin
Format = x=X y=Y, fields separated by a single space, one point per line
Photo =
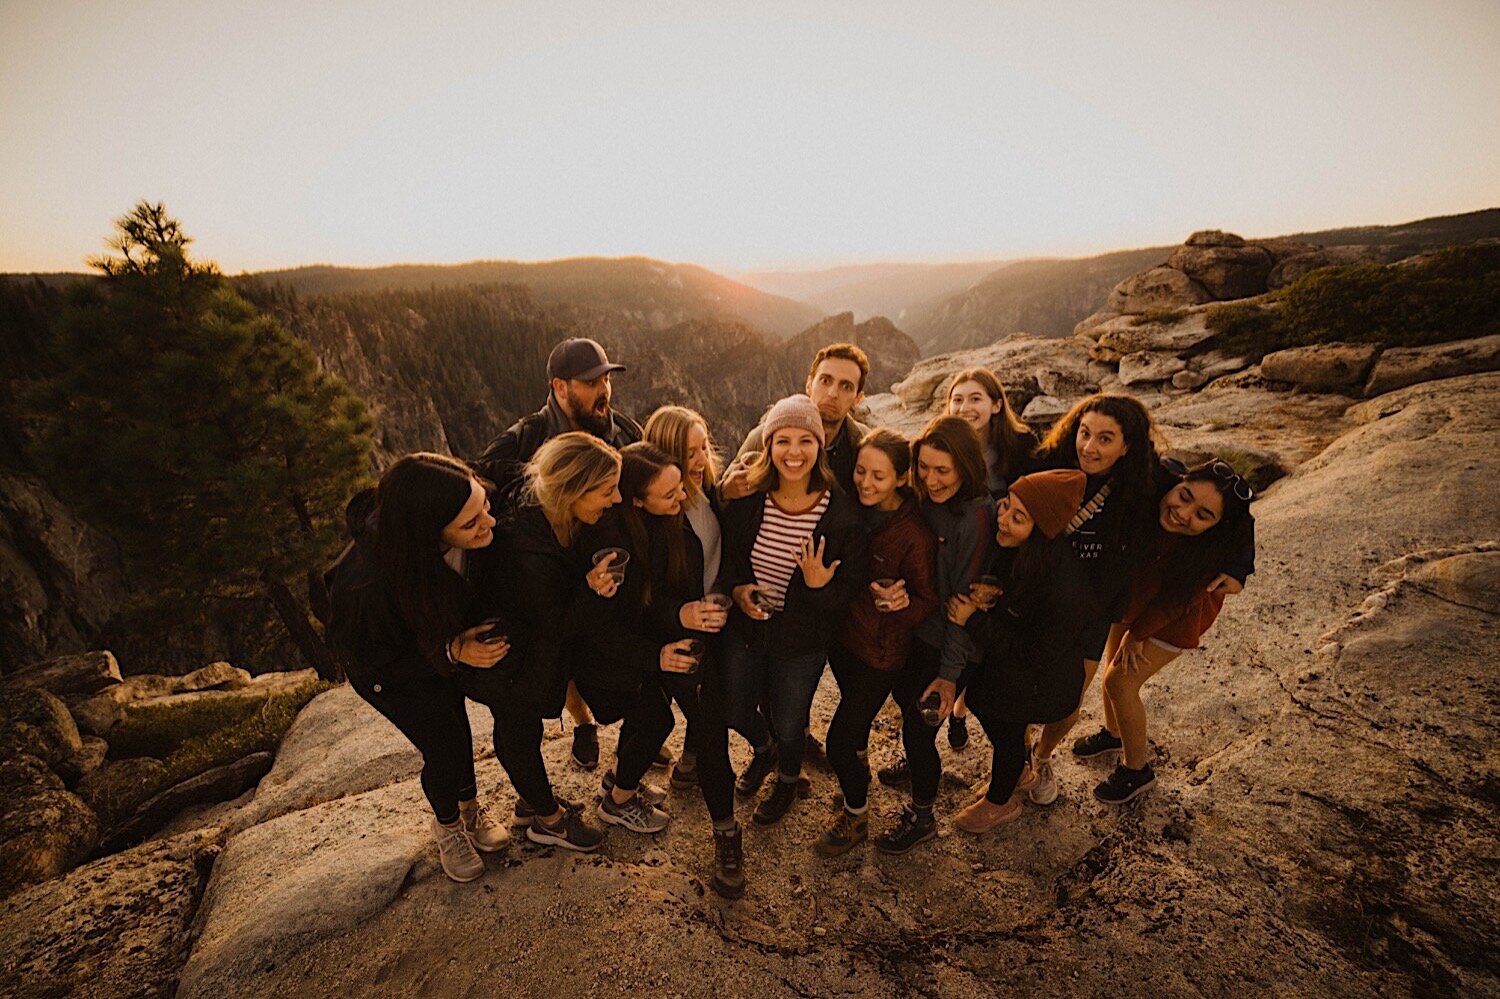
x=620 y=637
x=506 y=457
x=367 y=630
x=1032 y=650
x=538 y=596
x=811 y=617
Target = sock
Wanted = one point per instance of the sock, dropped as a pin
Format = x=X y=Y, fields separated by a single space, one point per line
x=789 y=779
x=454 y=824
x=923 y=811
x=857 y=811
x=725 y=825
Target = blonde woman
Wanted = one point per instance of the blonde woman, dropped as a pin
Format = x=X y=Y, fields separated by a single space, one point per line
x=570 y=481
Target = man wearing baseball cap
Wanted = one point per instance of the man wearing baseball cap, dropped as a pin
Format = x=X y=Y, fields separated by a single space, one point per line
x=578 y=376
x=578 y=395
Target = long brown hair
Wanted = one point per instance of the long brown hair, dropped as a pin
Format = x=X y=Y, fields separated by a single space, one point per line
x=1132 y=476
x=955 y=438
x=640 y=465
x=763 y=477
x=1196 y=561
x=895 y=447
x=1011 y=439
x=669 y=428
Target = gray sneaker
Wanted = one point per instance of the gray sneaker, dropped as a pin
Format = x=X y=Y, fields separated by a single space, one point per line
x=637 y=814
x=653 y=794
x=1044 y=791
x=486 y=834
x=457 y=855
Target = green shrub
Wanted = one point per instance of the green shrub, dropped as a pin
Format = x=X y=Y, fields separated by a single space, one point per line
x=158 y=729
x=1164 y=316
x=1247 y=329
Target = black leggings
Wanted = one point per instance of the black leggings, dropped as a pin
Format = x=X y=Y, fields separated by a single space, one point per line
x=863 y=690
x=918 y=738
x=429 y=711
x=707 y=739
x=1009 y=758
x=518 y=735
x=648 y=722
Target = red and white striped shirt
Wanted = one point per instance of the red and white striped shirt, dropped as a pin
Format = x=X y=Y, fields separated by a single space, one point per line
x=774 y=554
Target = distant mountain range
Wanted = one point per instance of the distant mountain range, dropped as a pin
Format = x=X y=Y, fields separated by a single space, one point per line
x=640 y=292
x=867 y=290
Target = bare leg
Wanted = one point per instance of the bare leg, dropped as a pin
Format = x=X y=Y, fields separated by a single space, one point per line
x=1122 y=692
x=1116 y=636
x=577 y=709
x=960 y=707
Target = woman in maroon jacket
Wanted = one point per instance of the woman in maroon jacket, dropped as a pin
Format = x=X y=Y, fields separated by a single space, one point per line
x=876 y=637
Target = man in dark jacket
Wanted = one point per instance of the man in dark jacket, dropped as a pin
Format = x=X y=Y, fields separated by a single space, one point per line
x=578 y=398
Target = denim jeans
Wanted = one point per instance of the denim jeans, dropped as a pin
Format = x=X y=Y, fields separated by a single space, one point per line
x=767 y=695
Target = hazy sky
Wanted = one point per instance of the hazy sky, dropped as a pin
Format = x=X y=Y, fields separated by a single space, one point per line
x=734 y=135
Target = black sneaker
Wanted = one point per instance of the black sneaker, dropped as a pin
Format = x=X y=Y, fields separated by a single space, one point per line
x=729 y=864
x=913 y=828
x=571 y=831
x=761 y=765
x=685 y=773
x=586 y=746
x=1098 y=744
x=1125 y=784
x=958 y=731
x=779 y=800
x=897 y=774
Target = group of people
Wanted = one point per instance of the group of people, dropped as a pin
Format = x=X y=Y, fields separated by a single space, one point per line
x=587 y=564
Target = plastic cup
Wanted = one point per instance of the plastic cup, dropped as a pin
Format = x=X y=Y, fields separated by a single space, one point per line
x=617 y=567
x=719 y=600
x=987 y=591
x=695 y=650
x=932 y=709
x=884 y=603
x=494 y=634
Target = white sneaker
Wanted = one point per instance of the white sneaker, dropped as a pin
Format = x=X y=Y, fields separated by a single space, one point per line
x=486 y=834
x=455 y=852
x=637 y=814
x=1044 y=791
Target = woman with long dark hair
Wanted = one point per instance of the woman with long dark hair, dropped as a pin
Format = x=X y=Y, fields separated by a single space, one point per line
x=407 y=602
x=1032 y=645
x=951 y=484
x=873 y=644
x=794 y=556
x=978 y=397
x=683 y=434
x=569 y=483
x=1112 y=440
x=1202 y=528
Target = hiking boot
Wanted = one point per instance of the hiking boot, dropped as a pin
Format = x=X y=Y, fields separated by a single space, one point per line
x=1044 y=791
x=521 y=815
x=663 y=759
x=729 y=864
x=685 y=773
x=897 y=774
x=456 y=853
x=586 y=746
x=984 y=815
x=958 y=731
x=912 y=828
x=1098 y=744
x=1125 y=784
x=653 y=794
x=779 y=799
x=637 y=814
x=847 y=832
x=571 y=831
x=761 y=765
x=485 y=833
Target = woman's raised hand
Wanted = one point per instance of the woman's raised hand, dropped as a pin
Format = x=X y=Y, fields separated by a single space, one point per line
x=466 y=648
x=814 y=573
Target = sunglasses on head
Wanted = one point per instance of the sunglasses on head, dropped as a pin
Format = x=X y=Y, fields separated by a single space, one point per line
x=1225 y=473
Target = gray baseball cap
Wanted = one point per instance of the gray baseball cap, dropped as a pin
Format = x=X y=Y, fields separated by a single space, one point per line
x=580 y=358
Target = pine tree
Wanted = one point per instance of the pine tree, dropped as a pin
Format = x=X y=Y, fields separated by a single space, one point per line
x=201 y=433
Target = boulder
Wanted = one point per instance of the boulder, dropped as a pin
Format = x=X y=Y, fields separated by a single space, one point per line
x=1044 y=410
x=1016 y=360
x=208 y=788
x=1148 y=366
x=1088 y=327
x=118 y=788
x=1323 y=367
x=918 y=387
x=92 y=756
x=1128 y=334
x=1470 y=579
x=1225 y=271
x=43 y=832
x=22 y=773
x=1399 y=367
x=118 y=926
x=1292 y=264
x=47 y=716
x=1214 y=237
x=1157 y=289
x=1189 y=379
x=85 y=673
x=282 y=886
x=103 y=711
